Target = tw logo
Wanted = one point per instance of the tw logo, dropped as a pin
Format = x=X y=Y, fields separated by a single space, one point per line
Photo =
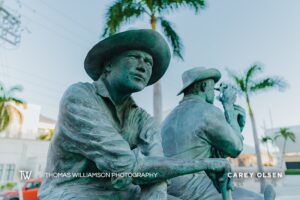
x=25 y=175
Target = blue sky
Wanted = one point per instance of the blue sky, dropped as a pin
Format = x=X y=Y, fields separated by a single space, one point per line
x=227 y=34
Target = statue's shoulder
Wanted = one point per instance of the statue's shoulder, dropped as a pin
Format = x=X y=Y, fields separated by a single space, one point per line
x=212 y=111
x=78 y=91
x=142 y=114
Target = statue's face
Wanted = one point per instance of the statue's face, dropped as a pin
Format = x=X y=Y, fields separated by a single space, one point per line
x=209 y=91
x=132 y=70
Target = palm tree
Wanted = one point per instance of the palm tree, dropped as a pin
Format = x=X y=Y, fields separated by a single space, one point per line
x=7 y=107
x=248 y=86
x=46 y=136
x=286 y=134
x=265 y=140
x=123 y=11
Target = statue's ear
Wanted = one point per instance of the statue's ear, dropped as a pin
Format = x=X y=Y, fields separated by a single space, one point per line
x=107 y=67
x=202 y=86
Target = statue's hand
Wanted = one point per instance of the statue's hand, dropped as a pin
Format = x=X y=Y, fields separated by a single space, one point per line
x=241 y=116
x=228 y=94
x=217 y=171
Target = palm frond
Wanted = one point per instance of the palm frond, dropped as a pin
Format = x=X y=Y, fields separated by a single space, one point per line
x=16 y=100
x=14 y=111
x=238 y=81
x=7 y=106
x=265 y=139
x=16 y=88
x=267 y=84
x=151 y=5
x=173 y=37
x=286 y=134
x=122 y=11
x=5 y=120
x=277 y=136
x=254 y=69
x=195 y=5
x=292 y=136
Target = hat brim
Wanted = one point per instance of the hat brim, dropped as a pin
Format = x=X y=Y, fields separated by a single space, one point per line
x=146 y=40
x=208 y=74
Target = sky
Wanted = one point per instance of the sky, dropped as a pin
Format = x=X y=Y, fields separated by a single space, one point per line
x=57 y=34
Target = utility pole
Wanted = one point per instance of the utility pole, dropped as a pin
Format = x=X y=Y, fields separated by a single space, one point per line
x=10 y=26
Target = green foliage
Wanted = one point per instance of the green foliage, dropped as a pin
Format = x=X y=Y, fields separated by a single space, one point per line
x=124 y=11
x=8 y=185
x=286 y=134
x=249 y=85
x=266 y=139
x=172 y=37
x=121 y=11
x=7 y=108
x=46 y=136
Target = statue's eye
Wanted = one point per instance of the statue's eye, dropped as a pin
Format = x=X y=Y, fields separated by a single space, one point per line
x=149 y=62
x=133 y=56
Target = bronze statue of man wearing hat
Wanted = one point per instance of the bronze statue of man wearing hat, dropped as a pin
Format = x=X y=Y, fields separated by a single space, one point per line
x=105 y=146
x=196 y=129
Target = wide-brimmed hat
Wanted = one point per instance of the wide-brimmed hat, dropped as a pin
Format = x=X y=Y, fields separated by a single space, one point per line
x=146 y=40
x=198 y=74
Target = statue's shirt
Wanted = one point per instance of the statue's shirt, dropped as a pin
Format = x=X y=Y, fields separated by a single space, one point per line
x=93 y=135
x=185 y=136
x=184 y=131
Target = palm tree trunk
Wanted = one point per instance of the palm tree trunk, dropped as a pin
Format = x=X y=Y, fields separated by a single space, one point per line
x=256 y=142
x=282 y=167
x=157 y=94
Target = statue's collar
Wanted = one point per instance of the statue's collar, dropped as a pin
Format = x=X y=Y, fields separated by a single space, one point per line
x=102 y=90
x=192 y=97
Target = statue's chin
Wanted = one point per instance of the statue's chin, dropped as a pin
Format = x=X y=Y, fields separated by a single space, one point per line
x=136 y=88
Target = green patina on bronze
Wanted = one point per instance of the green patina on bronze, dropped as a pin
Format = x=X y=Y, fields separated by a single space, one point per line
x=196 y=129
x=101 y=129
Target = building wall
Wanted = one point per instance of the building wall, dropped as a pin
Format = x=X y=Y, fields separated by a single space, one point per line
x=292 y=156
x=22 y=154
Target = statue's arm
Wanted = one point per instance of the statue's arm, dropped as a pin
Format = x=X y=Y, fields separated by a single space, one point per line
x=149 y=144
x=87 y=131
x=166 y=168
x=220 y=134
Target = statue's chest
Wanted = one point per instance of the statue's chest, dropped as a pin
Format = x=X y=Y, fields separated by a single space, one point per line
x=125 y=121
x=128 y=129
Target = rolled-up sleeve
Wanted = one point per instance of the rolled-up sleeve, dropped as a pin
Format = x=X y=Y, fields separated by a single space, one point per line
x=86 y=130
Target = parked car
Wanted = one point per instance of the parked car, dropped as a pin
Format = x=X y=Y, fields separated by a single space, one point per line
x=29 y=191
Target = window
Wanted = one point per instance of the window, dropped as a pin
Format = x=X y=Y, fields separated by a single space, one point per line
x=10 y=171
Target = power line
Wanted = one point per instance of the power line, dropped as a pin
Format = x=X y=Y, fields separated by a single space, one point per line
x=58 y=34
x=59 y=84
x=49 y=19
x=67 y=17
x=9 y=27
x=45 y=88
x=74 y=42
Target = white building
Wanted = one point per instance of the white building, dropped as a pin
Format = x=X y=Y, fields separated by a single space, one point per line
x=19 y=147
x=21 y=154
x=292 y=156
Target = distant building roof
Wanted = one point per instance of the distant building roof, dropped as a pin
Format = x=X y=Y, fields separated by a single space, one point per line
x=48 y=120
